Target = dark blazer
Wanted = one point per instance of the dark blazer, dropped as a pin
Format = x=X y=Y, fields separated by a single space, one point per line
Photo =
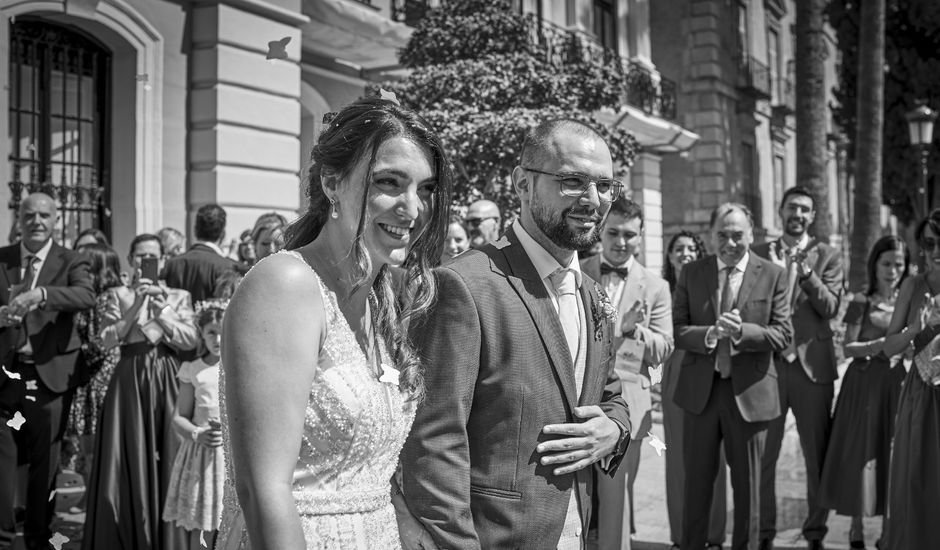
x=51 y=329
x=197 y=271
x=763 y=300
x=497 y=371
x=815 y=301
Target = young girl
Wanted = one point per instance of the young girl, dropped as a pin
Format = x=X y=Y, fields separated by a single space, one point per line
x=194 y=497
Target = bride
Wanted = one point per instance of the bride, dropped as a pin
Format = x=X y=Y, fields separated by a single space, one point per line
x=319 y=381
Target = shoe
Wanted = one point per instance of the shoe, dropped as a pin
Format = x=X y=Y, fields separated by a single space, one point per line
x=766 y=544
x=857 y=544
x=815 y=545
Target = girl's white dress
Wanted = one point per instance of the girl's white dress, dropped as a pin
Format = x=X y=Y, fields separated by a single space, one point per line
x=194 y=496
x=354 y=430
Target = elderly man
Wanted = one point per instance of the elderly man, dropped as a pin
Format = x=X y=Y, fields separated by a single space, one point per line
x=42 y=285
x=483 y=221
x=523 y=398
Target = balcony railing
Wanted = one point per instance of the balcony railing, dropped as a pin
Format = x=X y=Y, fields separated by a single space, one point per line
x=409 y=12
x=645 y=89
x=753 y=77
x=784 y=95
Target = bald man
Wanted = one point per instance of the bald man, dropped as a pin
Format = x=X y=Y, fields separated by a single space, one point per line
x=483 y=221
x=42 y=285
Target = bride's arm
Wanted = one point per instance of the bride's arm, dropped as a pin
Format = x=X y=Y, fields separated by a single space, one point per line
x=269 y=353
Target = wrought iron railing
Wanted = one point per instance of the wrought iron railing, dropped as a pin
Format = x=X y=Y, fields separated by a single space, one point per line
x=753 y=77
x=645 y=89
x=409 y=12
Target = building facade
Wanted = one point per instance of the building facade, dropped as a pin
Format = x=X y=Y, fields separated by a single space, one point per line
x=734 y=61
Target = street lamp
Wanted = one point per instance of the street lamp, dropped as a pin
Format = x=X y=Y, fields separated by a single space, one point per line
x=920 y=125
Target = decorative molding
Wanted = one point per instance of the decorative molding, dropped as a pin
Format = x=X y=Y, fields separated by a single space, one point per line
x=261 y=8
x=777 y=7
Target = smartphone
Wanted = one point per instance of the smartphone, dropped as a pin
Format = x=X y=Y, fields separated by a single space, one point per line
x=148 y=269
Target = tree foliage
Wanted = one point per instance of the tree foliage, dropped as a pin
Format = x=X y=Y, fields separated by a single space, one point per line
x=483 y=74
x=912 y=40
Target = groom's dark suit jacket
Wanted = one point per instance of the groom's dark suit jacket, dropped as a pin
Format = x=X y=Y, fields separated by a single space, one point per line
x=497 y=370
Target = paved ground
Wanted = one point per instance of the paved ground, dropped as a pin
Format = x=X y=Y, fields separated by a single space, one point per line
x=652 y=525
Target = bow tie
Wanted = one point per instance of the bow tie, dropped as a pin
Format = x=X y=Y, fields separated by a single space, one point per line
x=607 y=268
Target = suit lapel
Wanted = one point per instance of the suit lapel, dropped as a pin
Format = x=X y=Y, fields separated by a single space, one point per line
x=51 y=266
x=11 y=271
x=590 y=299
x=526 y=281
x=751 y=274
x=633 y=288
x=711 y=283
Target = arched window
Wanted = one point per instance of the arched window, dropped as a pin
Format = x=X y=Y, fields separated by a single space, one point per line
x=59 y=122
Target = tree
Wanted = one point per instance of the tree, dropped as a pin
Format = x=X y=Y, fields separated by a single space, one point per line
x=811 y=138
x=867 y=207
x=483 y=74
x=912 y=40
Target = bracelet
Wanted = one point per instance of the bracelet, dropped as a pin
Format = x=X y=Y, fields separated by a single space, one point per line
x=195 y=434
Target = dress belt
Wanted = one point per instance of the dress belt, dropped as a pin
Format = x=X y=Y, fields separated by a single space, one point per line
x=318 y=503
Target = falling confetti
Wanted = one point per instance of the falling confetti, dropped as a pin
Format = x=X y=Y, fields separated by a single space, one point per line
x=58 y=540
x=10 y=375
x=656 y=374
x=17 y=421
x=31 y=385
x=52 y=494
x=202 y=539
x=390 y=375
x=277 y=49
x=30 y=397
x=657 y=444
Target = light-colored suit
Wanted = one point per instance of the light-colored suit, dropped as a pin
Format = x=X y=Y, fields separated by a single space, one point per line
x=649 y=346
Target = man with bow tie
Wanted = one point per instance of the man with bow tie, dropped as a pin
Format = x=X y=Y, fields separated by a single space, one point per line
x=642 y=339
x=807 y=368
x=42 y=285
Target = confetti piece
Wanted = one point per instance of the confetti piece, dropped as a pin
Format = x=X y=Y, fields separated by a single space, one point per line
x=656 y=374
x=10 y=375
x=390 y=375
x=31 y=385
x=17 y=421
x=58 y=540
x=277 y=49
x=52 y=494
x=202 y=539
x=30 y=397
x=657 y=444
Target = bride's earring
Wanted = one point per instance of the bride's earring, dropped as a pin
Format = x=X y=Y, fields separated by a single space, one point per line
x=333 y=213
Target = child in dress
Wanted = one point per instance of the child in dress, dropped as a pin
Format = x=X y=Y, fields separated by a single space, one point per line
x=194 y=497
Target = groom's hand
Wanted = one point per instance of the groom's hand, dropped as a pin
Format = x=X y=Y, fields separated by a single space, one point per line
x=581 y=444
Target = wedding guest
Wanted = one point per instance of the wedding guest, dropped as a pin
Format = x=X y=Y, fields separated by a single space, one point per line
x=855 y=474
x=197 y=269
x=90 y=236
x=807 y=367
x=456 y=241
x=483 y=219
x=522 y=399
x=245 y=253
x=174 y=242
x=642 y=341
x=79 y=441
x=914 y=476
x=318 y=332
x=685 y=247
x=267 y=236
x=194 y=496
x=226 y=285
x=42 y=286
x=151 y=323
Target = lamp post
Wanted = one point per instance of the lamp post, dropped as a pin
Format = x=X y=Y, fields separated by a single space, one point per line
x=920 y=125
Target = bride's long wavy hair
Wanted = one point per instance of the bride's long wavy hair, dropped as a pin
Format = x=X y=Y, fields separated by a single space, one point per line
x=398 y=295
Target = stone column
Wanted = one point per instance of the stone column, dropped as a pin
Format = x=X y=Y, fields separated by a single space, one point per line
x=646 y=187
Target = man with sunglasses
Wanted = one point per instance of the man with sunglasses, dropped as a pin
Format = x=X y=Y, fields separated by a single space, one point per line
x=521 y=395
x=483 y=223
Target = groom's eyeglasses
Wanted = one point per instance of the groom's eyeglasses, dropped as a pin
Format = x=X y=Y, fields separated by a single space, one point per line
x=573 y=184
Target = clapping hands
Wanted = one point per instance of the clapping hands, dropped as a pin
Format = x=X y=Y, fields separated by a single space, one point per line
x=633 y=317
x=729 y=324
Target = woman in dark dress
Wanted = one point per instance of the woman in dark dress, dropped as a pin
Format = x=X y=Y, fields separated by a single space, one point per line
x=914 y=478
x=855 y=474
x=685 y=247
x=136 y=444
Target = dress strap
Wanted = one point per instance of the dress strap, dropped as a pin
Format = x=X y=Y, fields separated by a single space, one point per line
x=329 y=300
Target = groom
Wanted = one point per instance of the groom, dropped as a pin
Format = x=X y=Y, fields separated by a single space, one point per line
x=521 y=393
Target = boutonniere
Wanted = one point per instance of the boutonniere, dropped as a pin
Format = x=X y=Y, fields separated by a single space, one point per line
x=602 y=310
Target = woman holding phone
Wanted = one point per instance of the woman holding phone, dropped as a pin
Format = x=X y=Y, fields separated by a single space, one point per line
x=136 y=443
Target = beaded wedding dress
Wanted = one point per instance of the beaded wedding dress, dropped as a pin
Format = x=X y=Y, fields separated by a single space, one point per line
x=354 y=429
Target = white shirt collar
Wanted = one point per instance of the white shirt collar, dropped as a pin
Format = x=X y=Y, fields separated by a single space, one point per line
x=213 y=246
x=800 y=244
x=545 y=264
x=740 y=266
x=40 y=254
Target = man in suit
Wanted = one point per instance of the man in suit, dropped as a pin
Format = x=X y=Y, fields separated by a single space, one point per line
x=198 y=269
x=806 y=368
x=642 y=339
x=483 y=223
x=521 y=394
x=731 y=313
x=42 y=285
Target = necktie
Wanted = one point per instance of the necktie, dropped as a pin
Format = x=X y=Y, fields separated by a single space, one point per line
x=607 y=268
x=27 y=284
x=724 y=344
x=565 y=289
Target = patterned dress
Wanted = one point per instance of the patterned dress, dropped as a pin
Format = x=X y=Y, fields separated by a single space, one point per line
x=354 y=429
